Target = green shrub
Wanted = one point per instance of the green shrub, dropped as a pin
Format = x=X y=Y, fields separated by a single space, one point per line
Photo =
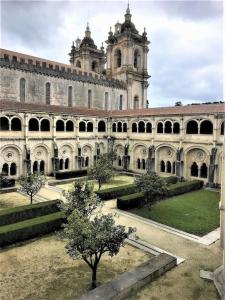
x=31 y=228
x=137 y=199
x=171 y=179
x=6 y=182
x=71 y=174
x=21 y=213
x=116 y=192
x=130 y=201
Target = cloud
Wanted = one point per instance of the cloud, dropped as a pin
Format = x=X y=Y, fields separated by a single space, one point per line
x=185 y=57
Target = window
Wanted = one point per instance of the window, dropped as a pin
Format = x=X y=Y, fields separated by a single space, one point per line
x=70 y=90
x=136 y=102
x=160 y=127
x=67 y=163
x=89 y=99
x=141 y=127
x=134 y=127
x=42 y=166
x=168 y=127
x=124 y=127
x=45 y=125
x=118 y=58
x=174 y=168
x=35 y=167
x=69 y=125
x=106 y=100
x=61 y=164
x=168 y=167
x=222 y=128
x=101 y=126
x=194 y=170
x=87 y=161
x=162 y=166
x=22 y=90
x=94 y=66
x=4 y=124
x=15 y=124
x=206 y=127
x=33 y=125
x=89 y=127
x=203 y=171
x=78 y=64
x=119 y=127
x=60 y=125
x=5 y=169
x=13 y=169
x=114 y=127
x=119 y=161
x=192 y=127
x=148 y=127
x=176 y=128
x=121 y=102
x=82 y=126
x=138 y=163
x=143 y=164
x=136 y=58
x=47 y=92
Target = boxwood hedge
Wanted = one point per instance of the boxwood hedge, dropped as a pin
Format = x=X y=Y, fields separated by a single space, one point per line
x=71 y=174
x=116 y=192
x=21 y=213
x=31 y=228
x=136 y=200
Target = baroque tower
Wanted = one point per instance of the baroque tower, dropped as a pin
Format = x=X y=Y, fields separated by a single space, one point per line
x=127 y=60
x=86 y=55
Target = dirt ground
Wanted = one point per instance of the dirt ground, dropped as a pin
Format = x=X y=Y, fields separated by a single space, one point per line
x=41 y=269
x=13 y=199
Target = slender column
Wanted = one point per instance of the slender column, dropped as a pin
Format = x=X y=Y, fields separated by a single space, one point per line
x=222 y=208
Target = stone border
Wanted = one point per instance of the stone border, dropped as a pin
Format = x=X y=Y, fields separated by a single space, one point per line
x=8 y=190
x=134 y=279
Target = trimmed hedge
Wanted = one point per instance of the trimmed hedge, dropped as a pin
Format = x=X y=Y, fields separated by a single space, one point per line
x=31 y=228
x=71 y=174
x=136 y=200
x=116 y=192
x=170 y=179
x=21 y=213
x=7 y=182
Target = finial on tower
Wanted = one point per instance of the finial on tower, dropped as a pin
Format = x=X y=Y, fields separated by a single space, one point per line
x=87 y=31
x=128 y=8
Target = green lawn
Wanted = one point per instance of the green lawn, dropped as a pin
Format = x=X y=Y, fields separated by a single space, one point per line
x=196 y=212
x=116 y=181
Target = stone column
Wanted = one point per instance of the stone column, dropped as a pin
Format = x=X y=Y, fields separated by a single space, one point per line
x=212 y=166
x=179 y=163
x=126 y=157
x=151 y=159
x=222 y=208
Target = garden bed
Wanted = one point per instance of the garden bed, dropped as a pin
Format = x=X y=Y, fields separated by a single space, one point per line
x=13 y=199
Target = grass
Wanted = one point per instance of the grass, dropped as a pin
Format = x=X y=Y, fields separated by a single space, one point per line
x=43 y=270
x=116 y=181
x=196 y=212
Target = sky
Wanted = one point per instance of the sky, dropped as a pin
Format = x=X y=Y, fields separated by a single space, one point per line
x=185 y=53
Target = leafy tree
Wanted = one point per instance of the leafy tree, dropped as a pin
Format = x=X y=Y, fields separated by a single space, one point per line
x=82 y=198
x=102 y=171
x=89 y=238
x=152 y=186
x=31 y=184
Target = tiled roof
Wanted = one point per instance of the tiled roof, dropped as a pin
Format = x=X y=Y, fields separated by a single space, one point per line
x=158 y=111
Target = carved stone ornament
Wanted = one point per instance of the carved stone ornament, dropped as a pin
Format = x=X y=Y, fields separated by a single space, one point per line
x=9 y=155
x=200 y=156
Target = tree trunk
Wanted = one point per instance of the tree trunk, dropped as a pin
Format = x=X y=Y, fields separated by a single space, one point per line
x=31 y=199
x=99 y=185
x=94 y=274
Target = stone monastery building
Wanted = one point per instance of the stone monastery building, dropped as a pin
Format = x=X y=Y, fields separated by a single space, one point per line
x=61 y=117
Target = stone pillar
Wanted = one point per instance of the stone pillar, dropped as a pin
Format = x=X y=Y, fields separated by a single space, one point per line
x=151 y=159
x=126 y=158
x=212 y=166
x=179 y=163
x=55 y=160
x=222 y=209
x=27 y=161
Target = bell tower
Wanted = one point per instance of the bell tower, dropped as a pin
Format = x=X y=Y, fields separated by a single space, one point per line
x=127 y=60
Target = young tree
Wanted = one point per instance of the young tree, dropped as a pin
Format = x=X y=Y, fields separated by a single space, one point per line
x=89 y=238
x=152 y=186
x=102 y=171
x=30 y=184
x=82 y=198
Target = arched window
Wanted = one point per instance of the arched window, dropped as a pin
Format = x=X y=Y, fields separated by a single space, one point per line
x=138 y=163
x=119 y=127
x=203 y=171
x=148 y=127
x=70 y=91
x=134 y=127
x=101 y=126
x=13 y=169
x=141 y=126
x=222 y=129
x=176 y=128
x=69 y=125
x=136 y=102
x=89 y=127
x=168 y=127
x=42 y=166
x=22 y=90
x=60 y=125
x=162 y=166
x=106 y=100
x=192 y=127
x=160 y=127
x=47 y=92
x=94 y=66
x=114 y=127
x=61 y=164
x=143 y=164
x=33 y=125
x=35 y=167
x=67 y=163
x=89 y=99
x=4 y=124
x=168 y=167
x=124 y=127
x=82 y=126
x=87 y=161
x=118 y=58
x=78 y=64
x=121 y=102
x=194 y=169
x=206 y=127
x=119 y=161
x=5 y=169
x=15 y=124
x=136 y=58
x=45 y=125
x=174 y=168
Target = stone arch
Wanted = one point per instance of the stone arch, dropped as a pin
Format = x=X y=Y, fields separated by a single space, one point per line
x=206 y=127
x=117 y=58
x=119 y=149
x=192 y=127
x=16 y=123
x=137 y=58
x=60 y=125
x=165 y=156
x=33 y=124
x=69 y=125
x=40 y=153
x=66 y=156
x=44 y=124
x=87 y=154
x=139 y=154
x=4 y=123
x=78 y=64
x=11 y=160
x=101 y=126
x=195 y=157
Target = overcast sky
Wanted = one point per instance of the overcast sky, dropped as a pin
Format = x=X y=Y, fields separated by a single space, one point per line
x=185 y=56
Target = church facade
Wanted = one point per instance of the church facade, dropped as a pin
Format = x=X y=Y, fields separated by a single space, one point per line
x=57 y=117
